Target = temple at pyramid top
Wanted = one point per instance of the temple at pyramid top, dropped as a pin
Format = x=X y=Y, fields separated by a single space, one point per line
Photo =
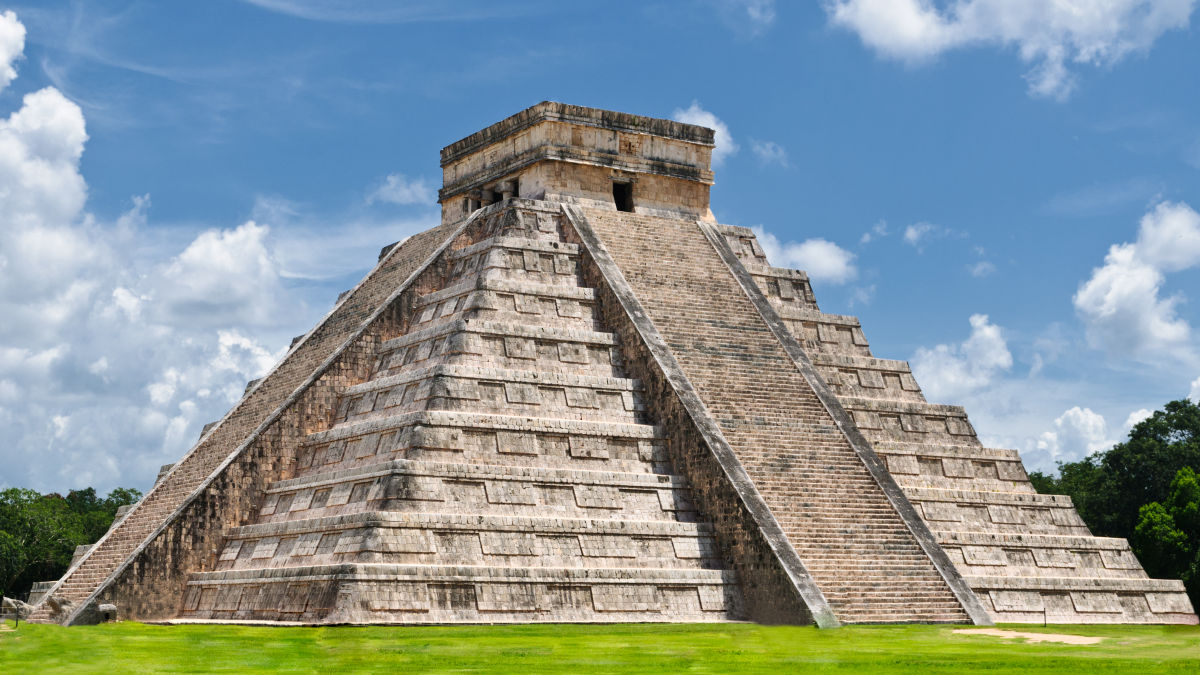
x=569 y=153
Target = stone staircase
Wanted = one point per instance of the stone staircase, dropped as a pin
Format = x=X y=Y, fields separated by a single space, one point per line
x=498 y=465
x=858 y=550
x=1028 y=556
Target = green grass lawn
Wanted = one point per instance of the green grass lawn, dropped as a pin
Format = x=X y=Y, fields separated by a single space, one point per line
x=133 y=647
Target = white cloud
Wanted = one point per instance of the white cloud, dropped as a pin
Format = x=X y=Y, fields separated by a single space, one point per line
x=948 y=371
x=1135 y=417
x=1120 y=304
x=396 y=189
x=114 y=348
x=916 y=235
x=724 y=145
x=878 y=231
x=12 y=46
x=223 y=277
x=770 y=152
x=40 y=147
x=1047 y=34
x=823 y=260
x=1076 y=433
x=981 y=269
x=1195 y=392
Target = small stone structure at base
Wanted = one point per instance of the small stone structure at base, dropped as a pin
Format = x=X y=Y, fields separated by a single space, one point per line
x=580 y=398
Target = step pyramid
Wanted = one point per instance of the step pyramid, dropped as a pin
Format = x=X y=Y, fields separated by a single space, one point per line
x=579 y=398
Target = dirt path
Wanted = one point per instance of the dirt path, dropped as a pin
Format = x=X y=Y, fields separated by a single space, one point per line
x=1033 y=637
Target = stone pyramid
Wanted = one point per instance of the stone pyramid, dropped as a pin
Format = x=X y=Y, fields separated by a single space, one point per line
x=579 y=398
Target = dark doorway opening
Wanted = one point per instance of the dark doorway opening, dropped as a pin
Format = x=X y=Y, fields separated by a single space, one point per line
x=623 y=196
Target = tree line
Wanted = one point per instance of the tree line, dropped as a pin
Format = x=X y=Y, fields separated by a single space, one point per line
x=1146 y=490
x=39 y=532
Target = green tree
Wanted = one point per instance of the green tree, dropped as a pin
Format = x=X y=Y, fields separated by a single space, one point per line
x=1167 y=536
x=39 y=533
x=1160 y=546
x=1109 y=488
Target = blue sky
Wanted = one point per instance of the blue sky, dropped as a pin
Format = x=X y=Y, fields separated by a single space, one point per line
x=1005 y=191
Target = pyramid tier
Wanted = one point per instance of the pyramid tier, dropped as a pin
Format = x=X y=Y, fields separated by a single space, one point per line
x=510 y=258
x=381 y=593
x=868 y=377
x=503 y=391
x=415 y=487
x=1083 y=600
x=910 y=421
x=1031 y=555
x=493 y=299
x=476 y=438
x=967 y=467
x=999 y=512
x=502 y=344
x=477 y=540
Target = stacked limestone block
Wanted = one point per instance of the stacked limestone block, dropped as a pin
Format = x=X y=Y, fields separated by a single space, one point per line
x=854 y=544
x=497 y=465
x=1028 y=556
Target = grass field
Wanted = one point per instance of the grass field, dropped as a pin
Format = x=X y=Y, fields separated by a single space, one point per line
x=132 y=647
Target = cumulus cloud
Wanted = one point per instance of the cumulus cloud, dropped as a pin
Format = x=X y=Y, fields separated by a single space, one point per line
x=769 y=152
x=226 y=275
x=823 y=260
x=1195 y=393
x=1121 y=304
x=951 y=370
x=397 y=189
x=1047 y=35
x=1135 y=417
x=113 y=353
x=724 y=145
x=1076 y=433
x=12 y=46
